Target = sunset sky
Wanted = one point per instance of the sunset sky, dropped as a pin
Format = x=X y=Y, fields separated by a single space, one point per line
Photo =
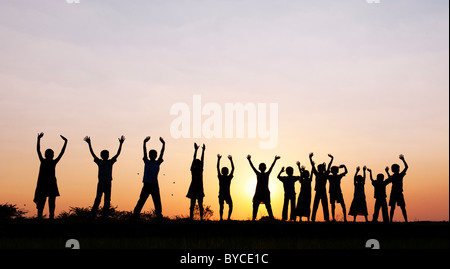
x=364 y=82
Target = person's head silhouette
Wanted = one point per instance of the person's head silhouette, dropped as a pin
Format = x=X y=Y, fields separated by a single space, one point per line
x=49 y=154
x=289 y=171
x=380 y=177
x=395 y=168
x=262 y=167
x=104 y=154
x=225 y=171
x=152 y=154
x=334 y=170
x=321 y=168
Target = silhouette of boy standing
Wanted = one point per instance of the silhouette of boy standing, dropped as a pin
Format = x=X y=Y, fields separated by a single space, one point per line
x=397 y=188
x=289 y=192
x=320 y=188
x=224 y=186
x=105 y=167
x=150 y=179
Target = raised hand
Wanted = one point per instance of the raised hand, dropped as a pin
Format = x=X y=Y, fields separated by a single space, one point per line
x=277 y=157
x=358 y=168
x=162 y=140
x=230 y=157
x=121 y=139
x=40 y=135
x=196 y=146
x=203 y=147
x=401 y=157
x=298 y=163
x=87 y=139
x=386 y=169
x=331 y=156
x=63 y=138
x=219 y=156
x=311 y=155
x=249 y=157
x=364 y=168
x=146 y=139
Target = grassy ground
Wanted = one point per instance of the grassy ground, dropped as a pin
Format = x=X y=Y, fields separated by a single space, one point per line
x=184 y=234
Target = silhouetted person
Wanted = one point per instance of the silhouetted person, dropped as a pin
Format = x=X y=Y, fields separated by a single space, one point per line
x=195 y=192
x=105 y=167
x=359 y=205
x=303 y=208
x=335 y=190
x=46 y=183
x=397 y=188
x=224 y=186
x=321 y=192
x=150 y=179
x=380 y=197
x=262 y=193
x=289 y=192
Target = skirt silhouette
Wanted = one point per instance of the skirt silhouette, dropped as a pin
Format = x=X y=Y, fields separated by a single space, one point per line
x=358 y=207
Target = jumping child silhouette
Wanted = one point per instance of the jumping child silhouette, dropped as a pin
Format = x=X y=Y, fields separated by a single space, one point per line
x=224 y=186
x=380 y=197
x=289 y=192
x=195 y=192
x=262 y=193
x=105 y=167
x=335 y=190
x=396 y=196
x=46 y=183
x=359 y=205
x=150 y=179
x=320 y=188
x=303 y=208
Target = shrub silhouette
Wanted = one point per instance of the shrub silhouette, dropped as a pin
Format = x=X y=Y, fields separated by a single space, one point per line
x=10 y=211
x=114 y=214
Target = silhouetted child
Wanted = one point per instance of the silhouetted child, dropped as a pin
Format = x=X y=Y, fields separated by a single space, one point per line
x=195 y=192
x=303 y=208
x=380 y=197
x=396 y=196
x=150 y=179
x=359 y=205
x=105 y=167
x=335 y=190
x=289 y=192
x=320 y=188
x=46 y=183
x=262 y=193
x=224 y=186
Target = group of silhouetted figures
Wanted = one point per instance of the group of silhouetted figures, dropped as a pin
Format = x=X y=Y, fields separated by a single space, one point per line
x=47 y=185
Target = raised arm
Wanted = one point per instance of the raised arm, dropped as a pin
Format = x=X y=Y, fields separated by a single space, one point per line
x=145 y=147
x=121 y=140
x=299 y=168
x=218 y=164
x=345 y=169
x=370 y=173
x=87 y=139
x=313 y=169
x=331 y=161
x=364 y=172
x=279 y=174
x=273 y=164
x=195 y=151
x=356 y=174
x=163 y=148
x=232 y=164
x=387 y=171
x=404 y=162
x=38 y=146
x=62 y=150
x=249 y=158
x=203 y=153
